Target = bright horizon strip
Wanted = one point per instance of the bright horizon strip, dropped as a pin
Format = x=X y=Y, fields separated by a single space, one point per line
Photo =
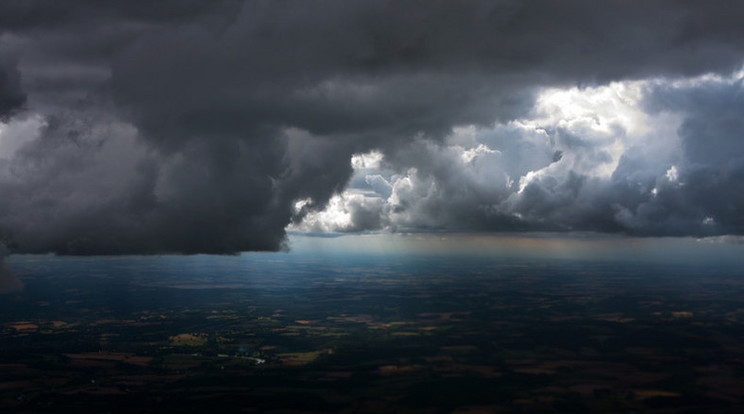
x=682 y=250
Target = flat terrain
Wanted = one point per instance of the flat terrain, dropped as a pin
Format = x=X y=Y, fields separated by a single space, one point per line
x=284 y=334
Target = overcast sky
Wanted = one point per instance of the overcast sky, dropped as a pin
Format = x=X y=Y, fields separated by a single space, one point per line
x=217 y=126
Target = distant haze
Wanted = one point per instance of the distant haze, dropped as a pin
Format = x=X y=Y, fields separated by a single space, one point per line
x=524 y=248
x=8 y=280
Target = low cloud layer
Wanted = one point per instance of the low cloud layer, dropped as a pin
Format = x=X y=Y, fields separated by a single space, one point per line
x=210 y=126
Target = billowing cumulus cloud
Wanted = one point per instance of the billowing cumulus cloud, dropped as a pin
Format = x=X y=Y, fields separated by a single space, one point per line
x=190 y=127
x=651 y=157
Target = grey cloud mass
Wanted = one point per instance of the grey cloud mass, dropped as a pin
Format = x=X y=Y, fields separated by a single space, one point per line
x=191 y=126
x=11 y=95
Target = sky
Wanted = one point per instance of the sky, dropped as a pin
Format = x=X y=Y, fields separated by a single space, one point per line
x=184 y=126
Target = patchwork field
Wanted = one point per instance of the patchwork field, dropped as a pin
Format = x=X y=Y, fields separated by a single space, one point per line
x=425 y=337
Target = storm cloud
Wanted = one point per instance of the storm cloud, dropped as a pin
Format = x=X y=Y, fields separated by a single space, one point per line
x=210 y=126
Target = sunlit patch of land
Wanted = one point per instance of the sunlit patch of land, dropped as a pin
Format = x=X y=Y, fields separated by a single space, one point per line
x=645 y=394
x=302 y=358
x=188 y=339
x=23 y=326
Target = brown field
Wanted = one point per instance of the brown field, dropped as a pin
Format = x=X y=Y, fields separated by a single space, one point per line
x=22 y=326
x=126 y=358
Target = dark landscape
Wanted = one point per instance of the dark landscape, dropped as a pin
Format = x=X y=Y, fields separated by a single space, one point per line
x=285 y=333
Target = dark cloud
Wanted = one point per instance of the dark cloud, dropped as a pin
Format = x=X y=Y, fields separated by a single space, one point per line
x=707 y=193
x=190 y=126
x=12 y=97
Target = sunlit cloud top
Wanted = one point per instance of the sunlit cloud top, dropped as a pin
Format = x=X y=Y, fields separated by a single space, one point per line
x=614 y=158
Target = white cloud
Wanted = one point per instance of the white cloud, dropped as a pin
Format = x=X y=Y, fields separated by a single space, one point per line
x=599 y=110
x=594 y=158
x=352 y=210
x=672 y=174
x=369 y=160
